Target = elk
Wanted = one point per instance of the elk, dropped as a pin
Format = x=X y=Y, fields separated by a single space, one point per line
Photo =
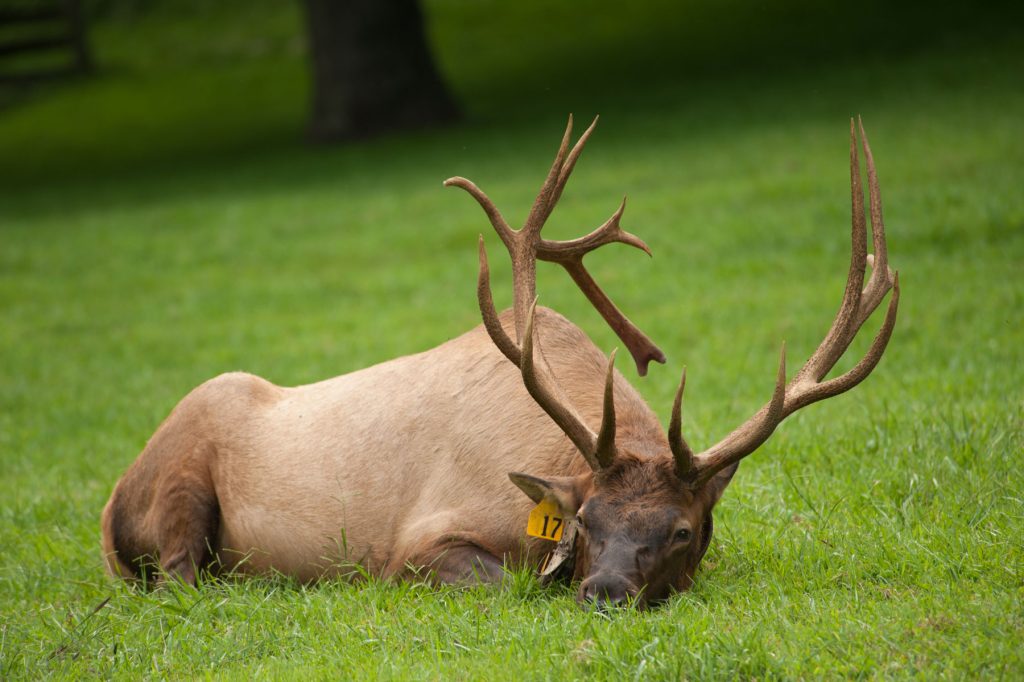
x=404 y=467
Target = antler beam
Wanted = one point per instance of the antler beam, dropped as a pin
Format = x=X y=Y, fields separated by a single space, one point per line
x=807 y=386
x=525 y=246
x=569 y=254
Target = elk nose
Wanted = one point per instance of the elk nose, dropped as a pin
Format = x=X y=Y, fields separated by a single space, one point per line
x=606 y=591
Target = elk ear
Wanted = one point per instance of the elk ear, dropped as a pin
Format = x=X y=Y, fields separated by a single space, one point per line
x=720 y=481
x=566 y=491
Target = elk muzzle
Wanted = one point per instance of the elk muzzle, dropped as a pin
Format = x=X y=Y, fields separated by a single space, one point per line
x=607 y=589
x=615 y=577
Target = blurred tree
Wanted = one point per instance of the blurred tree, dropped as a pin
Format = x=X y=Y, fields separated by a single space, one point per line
x=43 y=39
x=372 y=69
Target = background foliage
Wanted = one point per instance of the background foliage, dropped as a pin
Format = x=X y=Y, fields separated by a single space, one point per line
x=163 y=222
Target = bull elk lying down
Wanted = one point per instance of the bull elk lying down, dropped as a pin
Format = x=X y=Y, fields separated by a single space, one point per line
x=403 y=467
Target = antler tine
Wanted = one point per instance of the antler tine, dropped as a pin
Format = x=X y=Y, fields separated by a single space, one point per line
x=838 y=337
x=681 y=450
x=807 y=386
x=544 y=203
x=561 y=412
x=604 y=449
x=574 y=249
x=568 y=165
x=491 y=322
x=877 y=225
x=881 y=276
x=493 y=214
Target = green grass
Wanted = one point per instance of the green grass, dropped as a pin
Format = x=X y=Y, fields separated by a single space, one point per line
x=164 y=223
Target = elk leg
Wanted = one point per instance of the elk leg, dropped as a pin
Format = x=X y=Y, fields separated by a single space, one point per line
x=188 y=520
x=123 y=549
x=460 y=562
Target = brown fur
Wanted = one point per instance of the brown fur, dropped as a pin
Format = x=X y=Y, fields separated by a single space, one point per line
x=401 y=465
x=629 y=514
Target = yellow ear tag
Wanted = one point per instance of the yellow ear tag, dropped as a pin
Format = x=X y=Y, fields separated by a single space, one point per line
x=546 y=521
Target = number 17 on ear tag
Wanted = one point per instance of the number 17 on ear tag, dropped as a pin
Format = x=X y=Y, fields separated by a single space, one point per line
x=546 y=521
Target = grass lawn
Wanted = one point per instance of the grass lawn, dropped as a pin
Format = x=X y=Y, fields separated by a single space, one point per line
x=163 y=223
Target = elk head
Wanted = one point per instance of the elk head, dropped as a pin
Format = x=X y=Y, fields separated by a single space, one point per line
x=642 y=514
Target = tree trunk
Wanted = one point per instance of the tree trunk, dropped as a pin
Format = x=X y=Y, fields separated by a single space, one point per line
x=372 y=70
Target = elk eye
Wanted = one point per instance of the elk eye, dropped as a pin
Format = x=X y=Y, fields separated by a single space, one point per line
x=683 y=535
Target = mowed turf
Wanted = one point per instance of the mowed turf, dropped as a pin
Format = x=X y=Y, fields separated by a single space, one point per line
x=163 y=223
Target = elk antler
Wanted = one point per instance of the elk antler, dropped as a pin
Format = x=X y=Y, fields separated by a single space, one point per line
x=524 y=247
x=807 y=386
